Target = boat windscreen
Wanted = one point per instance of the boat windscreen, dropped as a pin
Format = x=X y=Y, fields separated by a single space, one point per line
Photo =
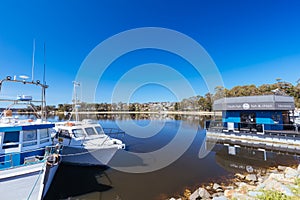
x=90 y=131
x=78 y=132
x=99 y=130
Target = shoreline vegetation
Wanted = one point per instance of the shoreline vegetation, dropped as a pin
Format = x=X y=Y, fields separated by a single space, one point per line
x=152 y=112
x=193 y=105
x=139 y=112
x=276 y=183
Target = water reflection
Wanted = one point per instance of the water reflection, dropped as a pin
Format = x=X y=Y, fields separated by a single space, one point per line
x=237 y=158
x=226 y=158
x=75 y=181
x=191 y=119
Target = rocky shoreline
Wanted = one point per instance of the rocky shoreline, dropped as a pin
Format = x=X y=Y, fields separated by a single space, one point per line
x=275 y=183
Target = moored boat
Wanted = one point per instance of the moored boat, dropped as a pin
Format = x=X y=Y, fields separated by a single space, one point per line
x=84 y=142
x=28 y=159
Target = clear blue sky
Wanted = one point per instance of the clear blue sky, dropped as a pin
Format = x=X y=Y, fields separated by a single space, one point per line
x=251 y=41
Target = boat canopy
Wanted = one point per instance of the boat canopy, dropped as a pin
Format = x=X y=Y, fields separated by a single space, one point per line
x=26 y=127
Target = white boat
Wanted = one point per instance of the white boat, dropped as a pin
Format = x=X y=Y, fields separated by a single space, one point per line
x=84 y=143
x=28 y=163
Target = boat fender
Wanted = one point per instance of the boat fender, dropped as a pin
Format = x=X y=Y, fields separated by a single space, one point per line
x=69 y=124
x=53 y=159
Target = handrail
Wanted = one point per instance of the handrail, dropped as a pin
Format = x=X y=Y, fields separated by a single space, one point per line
x=48 y=150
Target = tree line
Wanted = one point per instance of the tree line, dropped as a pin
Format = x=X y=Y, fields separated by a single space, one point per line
x=196 y=103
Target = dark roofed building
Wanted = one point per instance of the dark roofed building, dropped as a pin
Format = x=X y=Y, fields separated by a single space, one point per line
x=270 y=110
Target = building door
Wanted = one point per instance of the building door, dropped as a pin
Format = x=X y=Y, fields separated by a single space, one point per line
x=248 y=119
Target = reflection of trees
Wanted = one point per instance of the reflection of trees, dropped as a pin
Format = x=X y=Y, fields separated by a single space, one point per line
x=191 y=119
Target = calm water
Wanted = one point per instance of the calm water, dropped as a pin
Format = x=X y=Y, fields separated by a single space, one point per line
x=153 y=133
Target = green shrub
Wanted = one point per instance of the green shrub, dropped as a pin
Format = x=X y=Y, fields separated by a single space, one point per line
x=273 y=195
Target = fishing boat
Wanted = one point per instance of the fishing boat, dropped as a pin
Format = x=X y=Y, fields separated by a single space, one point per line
x=28 y=159
x=84 y=142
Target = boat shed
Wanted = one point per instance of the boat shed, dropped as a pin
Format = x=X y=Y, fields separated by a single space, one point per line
x=270 y=110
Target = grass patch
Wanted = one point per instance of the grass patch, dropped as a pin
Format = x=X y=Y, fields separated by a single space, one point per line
x=273 y=195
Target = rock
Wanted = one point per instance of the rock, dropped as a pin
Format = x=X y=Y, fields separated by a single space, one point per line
x=290 y=173
x=249 y=169
x=218 y=194
x=200 y=193
x=251 y=177
x=216 y=186
x=260 y=179
x=220 y=198
x=277 y=176
x=208 y=187
x=219 y=190
x=187 y=193
x=281 y=168
x=230 y=187
x=298 y=168
x=229 y=193
x=194 y=195
x=238 y=183
x=254 y=193
x=203 y=193
x=241 y=196
x=240 y=176
x=244 y=188
x=273 y=171
x=272 y=184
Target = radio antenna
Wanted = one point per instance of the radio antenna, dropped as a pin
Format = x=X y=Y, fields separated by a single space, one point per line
x=32 y=67
x=44 y=75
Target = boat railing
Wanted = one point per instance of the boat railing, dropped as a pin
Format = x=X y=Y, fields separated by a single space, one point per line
x=11 y=160
x=272 y=129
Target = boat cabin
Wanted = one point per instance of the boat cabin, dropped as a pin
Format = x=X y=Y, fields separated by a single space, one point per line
x=23 y=140
x=75 y=132
x=267 y=112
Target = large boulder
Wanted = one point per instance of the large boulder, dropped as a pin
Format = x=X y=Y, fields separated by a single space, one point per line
x=251 y=177
x=200 y=193
x=272 y=184
x=216 y=186
x=290 y=173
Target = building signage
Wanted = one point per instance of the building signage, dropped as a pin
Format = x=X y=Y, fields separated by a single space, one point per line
x=246 y=106
x=258 y=106
x=251 y=106
x=255 y=103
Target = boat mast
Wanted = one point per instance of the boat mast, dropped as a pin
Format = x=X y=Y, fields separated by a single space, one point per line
x=44 y=86
x=32 y=67
x=75 y=100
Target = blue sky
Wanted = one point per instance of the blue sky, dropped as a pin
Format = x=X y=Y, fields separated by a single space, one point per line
x=250 y=41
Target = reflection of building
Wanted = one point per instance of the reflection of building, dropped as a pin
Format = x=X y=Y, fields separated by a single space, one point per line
x=238 y=158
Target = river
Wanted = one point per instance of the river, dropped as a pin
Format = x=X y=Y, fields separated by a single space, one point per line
x=161 y=160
